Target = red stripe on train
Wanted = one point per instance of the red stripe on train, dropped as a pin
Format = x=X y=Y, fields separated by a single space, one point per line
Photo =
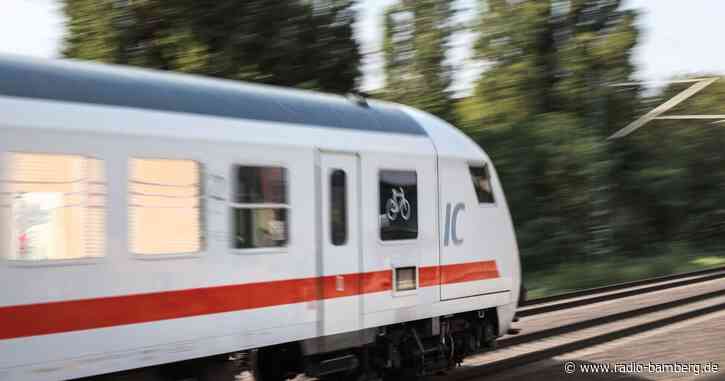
x=76 y=315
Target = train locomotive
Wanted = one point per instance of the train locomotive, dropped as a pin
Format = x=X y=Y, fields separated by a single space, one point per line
x=154 y=220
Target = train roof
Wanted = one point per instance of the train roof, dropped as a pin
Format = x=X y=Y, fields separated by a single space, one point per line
x=72 y=81
x=143 y=89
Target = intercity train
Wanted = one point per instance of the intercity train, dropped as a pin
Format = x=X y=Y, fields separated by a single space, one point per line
x=152 y=220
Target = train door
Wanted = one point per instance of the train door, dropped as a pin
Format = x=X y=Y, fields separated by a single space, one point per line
x=341 y=280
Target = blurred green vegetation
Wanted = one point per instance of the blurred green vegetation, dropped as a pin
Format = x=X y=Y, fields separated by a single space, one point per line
x=587 y=210
x=566 y=277
x=306 y=44
x=416 y=37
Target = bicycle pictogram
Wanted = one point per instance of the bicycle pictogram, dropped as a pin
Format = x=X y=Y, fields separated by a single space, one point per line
x=396 y=205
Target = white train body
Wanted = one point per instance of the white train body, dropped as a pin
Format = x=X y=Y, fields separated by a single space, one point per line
x=108 y=307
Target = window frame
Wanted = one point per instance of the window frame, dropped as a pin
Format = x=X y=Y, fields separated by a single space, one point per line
x=378 y=235
x=485 y=165
x=232 y=205
x=60 y=262
x=202 y=209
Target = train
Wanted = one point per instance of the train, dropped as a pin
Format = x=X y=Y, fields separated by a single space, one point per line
x=152 y=220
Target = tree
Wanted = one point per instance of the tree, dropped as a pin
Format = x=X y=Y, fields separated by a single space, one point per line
x=516 y=40
x=289 y=43
x=552 y=56
x=417 y=35
x=544 y=109
x=677 y=174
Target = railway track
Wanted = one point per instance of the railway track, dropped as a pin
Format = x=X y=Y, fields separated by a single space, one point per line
x=612 y=312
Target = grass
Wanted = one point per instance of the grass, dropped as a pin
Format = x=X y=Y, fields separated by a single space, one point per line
x=595 y=272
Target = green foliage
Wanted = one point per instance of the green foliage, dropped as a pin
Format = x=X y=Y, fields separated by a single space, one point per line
x=565 y=277
x=548 y=165
x=517 y=41
x=680 y=184
x=289 y=43
x=555 y=56
x=543 y=111
x=417 y=35
x=90 y=34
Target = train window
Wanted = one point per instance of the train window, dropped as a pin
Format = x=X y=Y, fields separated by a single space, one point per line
x=338 y=207
x=54 y=206
x=164 y=206
x=261 y=185
x=398 y=191
x=482 y=184
x=260 y=208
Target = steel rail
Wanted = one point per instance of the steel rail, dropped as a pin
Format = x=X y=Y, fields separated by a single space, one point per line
x=528 y=357
x=537 y=355
x=589 y=323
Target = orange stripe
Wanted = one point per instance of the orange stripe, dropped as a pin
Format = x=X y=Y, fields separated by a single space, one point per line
x=429 y=276
x=467 y=272
x=75 y=315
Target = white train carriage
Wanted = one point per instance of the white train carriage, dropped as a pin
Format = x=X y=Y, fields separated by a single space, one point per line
x=152 y=218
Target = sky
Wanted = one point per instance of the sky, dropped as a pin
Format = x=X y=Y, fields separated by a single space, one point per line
x=679 y=37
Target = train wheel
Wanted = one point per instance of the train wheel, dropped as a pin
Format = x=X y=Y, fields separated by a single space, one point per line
x=275 y=363
x=266 y=365
x=217 y=368
x=148 y=374
x=400 y=375
x=489 y=335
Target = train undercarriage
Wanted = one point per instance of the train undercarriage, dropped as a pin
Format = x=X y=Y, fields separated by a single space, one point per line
x=404 y=351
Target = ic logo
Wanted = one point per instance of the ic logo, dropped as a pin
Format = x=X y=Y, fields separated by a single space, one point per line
x=452 y=224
